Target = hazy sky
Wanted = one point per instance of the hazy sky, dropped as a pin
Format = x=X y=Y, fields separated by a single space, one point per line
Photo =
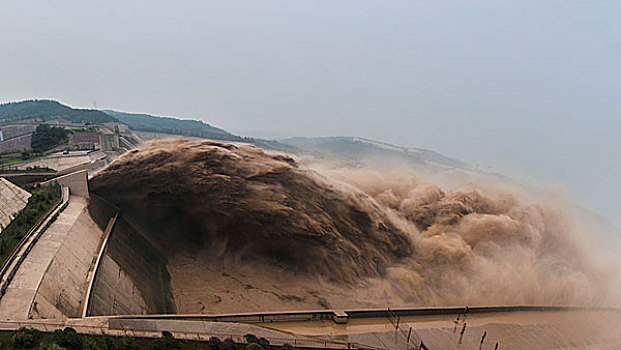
x=527 y=87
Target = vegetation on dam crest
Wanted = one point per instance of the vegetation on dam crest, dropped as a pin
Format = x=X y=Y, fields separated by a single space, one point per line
x=69 y=339
x=42 y=199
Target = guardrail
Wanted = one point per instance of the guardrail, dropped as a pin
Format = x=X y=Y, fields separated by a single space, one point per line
x=285 y=316
x=435 y=311
x=92 y=274
x=321 y=315
x=146 y=326
x=8 y=264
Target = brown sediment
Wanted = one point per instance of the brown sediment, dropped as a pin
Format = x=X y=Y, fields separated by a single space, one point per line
x=231 y=215
x=237 y=198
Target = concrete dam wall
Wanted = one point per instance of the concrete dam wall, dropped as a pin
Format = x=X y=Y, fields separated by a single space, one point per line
x=132 y=277
x=90 y=260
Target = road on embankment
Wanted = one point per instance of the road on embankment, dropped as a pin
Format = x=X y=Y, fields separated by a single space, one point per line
x=28 y=267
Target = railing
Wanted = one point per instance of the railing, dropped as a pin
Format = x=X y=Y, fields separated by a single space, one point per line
x=317 y=315
x=411 y=339
x=254 y=317
x=92 y=274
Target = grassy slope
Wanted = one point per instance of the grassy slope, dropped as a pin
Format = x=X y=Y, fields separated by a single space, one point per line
x=41 y=200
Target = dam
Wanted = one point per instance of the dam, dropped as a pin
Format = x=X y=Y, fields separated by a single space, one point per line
x=96 y=269
x=89 y=261
x=131 y=278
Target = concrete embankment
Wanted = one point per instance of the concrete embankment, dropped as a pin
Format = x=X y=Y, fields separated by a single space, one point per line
x=12 y=200
x=132 y=277
x=62 y=290
x=68 y=266
x=27 y=265
x=50 y=277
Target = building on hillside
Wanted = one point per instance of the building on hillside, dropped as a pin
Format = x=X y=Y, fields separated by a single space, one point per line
x=121 y=128
x=16 y=144
x=94 y=140
x=84 y=140
x=10 y=131
x=109 y=142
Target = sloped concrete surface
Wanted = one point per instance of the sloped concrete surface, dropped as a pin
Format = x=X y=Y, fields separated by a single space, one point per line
x=12 y=200
x=132 y=277
x=62 y=290
x=20 y=294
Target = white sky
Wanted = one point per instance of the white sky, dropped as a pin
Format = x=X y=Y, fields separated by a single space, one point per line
x=527 y=87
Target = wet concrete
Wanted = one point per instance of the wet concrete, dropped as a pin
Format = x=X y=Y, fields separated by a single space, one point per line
x=512 y=330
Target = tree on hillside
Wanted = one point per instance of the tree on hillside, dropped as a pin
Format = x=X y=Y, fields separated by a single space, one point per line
x=45 y=137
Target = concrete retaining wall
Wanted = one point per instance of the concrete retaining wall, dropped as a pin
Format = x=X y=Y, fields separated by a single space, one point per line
x=77 y=183
x=132 y=277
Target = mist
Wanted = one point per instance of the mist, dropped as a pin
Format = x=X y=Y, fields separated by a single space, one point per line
x=486 y=242
x=393 y=236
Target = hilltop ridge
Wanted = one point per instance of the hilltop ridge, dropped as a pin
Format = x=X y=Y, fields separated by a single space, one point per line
x=353 y=149
x=147 y=122
x=50 y=109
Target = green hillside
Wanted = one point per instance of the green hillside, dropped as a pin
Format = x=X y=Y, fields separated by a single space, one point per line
x=48 y=109
x=169 y=125
x=196 y=128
